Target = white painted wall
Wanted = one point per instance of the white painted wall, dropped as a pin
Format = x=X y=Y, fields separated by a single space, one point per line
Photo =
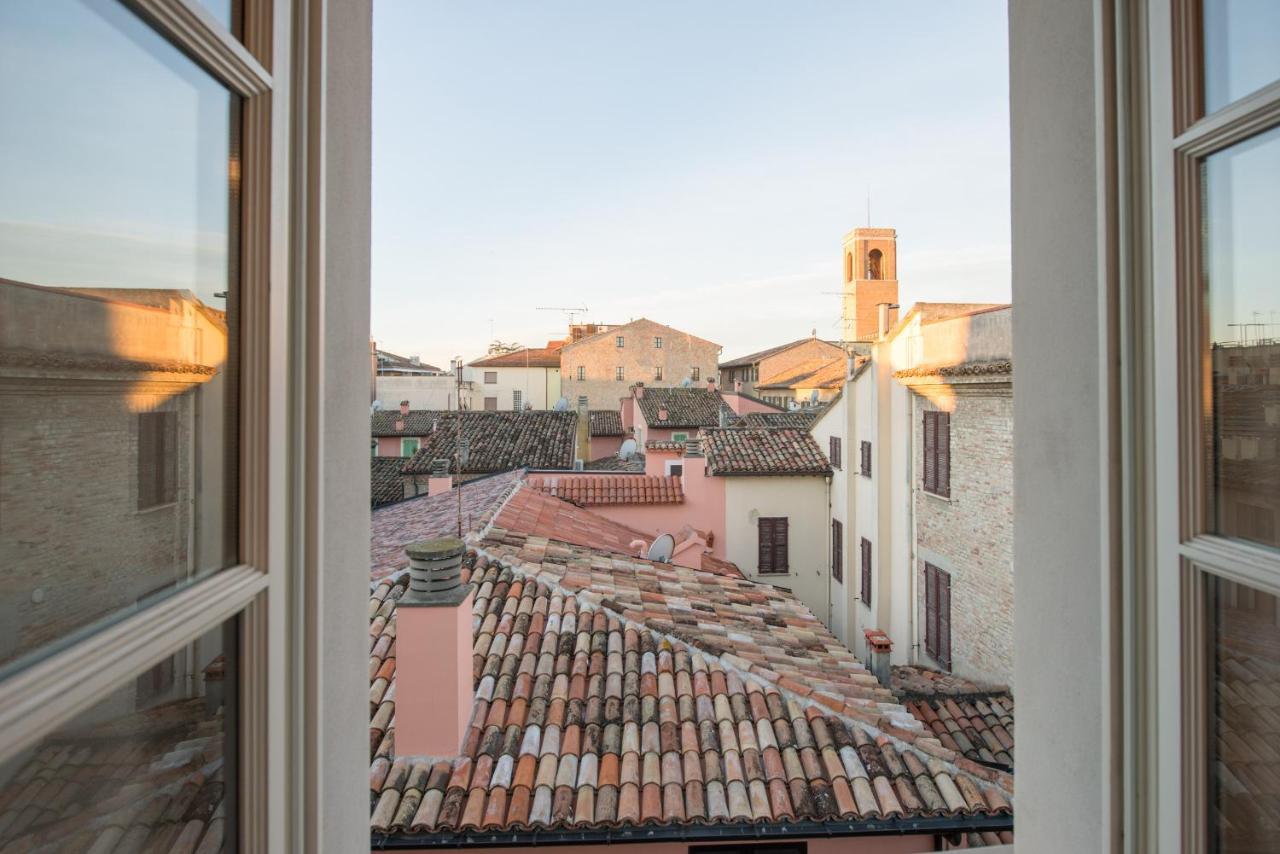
x=439 y=393
x=803 y=500
x=835 y=422
x=539 y=387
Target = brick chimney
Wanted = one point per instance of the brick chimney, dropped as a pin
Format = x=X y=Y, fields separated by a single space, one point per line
x=440 y=480
x=879 y=649
x=404 y=407
x=711 y=383
x=582 y=436
x=399 y=425
x=434 y=691
x=662 y=413
x=639 y=389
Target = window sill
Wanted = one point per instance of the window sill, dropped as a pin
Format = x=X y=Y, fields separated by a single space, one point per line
x=155 y=508
x=936 y=496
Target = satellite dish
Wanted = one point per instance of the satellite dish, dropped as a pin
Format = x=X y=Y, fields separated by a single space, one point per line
x=813 y=397
x=662 y=549
x=628 y=449
x=376 y=406
x=562 y=405
x=686 y=382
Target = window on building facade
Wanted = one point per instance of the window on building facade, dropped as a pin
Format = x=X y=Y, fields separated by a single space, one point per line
x=582 y=400
x=937 y=615
x=679 y=437
x=491 y=404
x=695 y=374
x=864 y=553
x=157 y=459
x=618 y=374
x=490 y=377
x=517 y=399
x=937 y=452
x=657 y=373
x=619 y=341
x=582 y=373
x=657 y=342
x=835 y=452
x=865 y=449
x=408 y=446
x=675 y=468
x=837 y=550
x=772 y=545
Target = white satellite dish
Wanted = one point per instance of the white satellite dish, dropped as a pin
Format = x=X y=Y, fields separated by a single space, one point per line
x=662 y=549
x=813 y=397
x=686 y=382
x=561 y=405
x=627 y=449
x=376 y=406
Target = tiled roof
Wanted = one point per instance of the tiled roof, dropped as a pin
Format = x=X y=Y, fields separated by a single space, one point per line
x=616 y=694
x=500 y=441
x=763 y=451
x=751 y=359
x=532 y=513
x=386 y=484
x=966 y=369
x=711 y=563
x=530 y=357
x=392 y=361
x=393 y=527
x=615 y=463
x=663 y=445
x=686 y=407
x=827 y=373
x=606 y=422
x=802 y=418
x=978 y=725
x=151 y=781
x=611 y=489
x=417 y=422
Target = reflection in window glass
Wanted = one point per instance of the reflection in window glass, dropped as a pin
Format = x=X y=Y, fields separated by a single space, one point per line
x=152 y=767
x=1244 y=730
x=226 y=12
x=1242 y=274
x=1241 y=49
x=118 y=320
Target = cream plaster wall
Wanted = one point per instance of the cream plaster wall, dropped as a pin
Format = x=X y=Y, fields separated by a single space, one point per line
x=803 y=500
x=421 y=392
x=835 y=422
x=539 y=387
x=600 y=356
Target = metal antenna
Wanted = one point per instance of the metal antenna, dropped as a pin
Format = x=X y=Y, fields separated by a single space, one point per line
x=569 y=311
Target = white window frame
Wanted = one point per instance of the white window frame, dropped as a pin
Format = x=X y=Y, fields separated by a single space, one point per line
x=305 y=309
x=517 y=399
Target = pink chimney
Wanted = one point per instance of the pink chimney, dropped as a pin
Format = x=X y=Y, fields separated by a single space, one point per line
x=434 y=693
x=737 y=386
x=404 y=407
x=639 y=387
x=711 y=383
x=662 y=413
x=399 y=425
x=440 y=480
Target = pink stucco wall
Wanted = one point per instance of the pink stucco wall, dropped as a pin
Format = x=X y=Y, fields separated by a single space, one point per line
x=820 y=845
x=743 y=405
x=434 y=695
x=604 y=446
x=389 y=446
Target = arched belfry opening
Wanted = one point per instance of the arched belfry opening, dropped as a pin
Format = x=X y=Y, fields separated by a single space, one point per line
x=848 y=266
x=873 y=264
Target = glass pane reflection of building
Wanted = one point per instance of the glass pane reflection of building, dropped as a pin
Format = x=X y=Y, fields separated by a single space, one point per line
x=118 y=321
x=151 y=767
x=1241 y=187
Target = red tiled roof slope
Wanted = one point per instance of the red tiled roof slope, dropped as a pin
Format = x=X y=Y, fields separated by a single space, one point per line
x=594 y=490
x=533 y=513
x=686 y=407
x=499 y=441
x=583 y=719
x=763 y=451
x=530 y=357
x=606 y=422
x=979 y=726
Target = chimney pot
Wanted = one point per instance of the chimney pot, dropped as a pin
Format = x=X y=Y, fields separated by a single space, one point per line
x=737 y=386
x=662 y=413
x=879 y=649
x=711 y=383
x=404 y=407
x=693 y=448
x=435 y=573
x=399 y=425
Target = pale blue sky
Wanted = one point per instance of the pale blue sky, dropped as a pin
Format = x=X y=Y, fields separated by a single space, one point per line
x=695 y=163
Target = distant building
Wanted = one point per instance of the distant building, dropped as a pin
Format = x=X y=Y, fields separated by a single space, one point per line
x=870 y=281
x=408 y=378
x=778 y=367
x=528 y=378
x=600 y=368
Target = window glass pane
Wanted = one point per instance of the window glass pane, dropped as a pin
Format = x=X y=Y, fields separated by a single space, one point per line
x=1244 y=719
x=1242 y=257
x=119 y=293
x=152 y=767
x=1241 y=49
x=229 y=13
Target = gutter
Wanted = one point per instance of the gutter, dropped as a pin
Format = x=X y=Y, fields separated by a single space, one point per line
x=931 y=826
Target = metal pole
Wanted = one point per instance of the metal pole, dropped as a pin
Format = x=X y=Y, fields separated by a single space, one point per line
x=458 y=441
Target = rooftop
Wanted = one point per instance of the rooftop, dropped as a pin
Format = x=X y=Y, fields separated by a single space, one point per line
x=606 y=422
x=801 y=418
x=386 y=483
x=586 y=491
x=763 y=451
x=753 y=358
x=686 y=407
x=813 y=373
x=499 y=441
x=526 y=357
x=635 y=463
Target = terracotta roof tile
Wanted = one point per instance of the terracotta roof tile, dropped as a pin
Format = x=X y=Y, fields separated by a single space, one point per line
x=499 y=441
x=531 y=513
x=528 y=357
x=606 y=422
x=685 y=407
x=386 y=484
x=763 y=451
x=610 y=489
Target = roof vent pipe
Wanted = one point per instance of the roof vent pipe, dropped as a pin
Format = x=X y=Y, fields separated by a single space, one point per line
x=435 y=572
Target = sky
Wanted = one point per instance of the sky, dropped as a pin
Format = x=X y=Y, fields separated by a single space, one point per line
x=694 y=163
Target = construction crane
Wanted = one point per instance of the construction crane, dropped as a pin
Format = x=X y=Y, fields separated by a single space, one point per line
x=569 y=311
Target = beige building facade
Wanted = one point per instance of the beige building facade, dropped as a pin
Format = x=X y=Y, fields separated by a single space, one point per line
x=528 y=378
x=601 y=368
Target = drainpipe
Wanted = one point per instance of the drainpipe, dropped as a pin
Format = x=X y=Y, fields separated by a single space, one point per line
x=913 y=652
x=830 y=558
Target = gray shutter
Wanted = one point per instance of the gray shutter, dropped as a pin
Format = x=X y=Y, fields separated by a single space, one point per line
x=944 y=618
x=942 y=439
x=764 y=559
x=930 y=452
x=931 y=610
x=780 y=556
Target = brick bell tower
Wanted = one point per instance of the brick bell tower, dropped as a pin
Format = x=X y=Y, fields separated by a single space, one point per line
x=870 y=278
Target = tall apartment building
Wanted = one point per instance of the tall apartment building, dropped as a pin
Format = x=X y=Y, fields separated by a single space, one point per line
x=599 y=369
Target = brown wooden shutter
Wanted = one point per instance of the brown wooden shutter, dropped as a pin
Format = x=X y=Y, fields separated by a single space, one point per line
x=866 y=570
x=942 y=440
x=930 y=452
x=765 y=556
x=837 y=550
x=866 y=458
x=780 y=556
x=944 y=618
x=931 y=610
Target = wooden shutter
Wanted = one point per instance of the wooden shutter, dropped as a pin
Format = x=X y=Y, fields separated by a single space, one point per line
x=780 y=556
x=942 y=440
x=931 y=610
x=837 y=550
x=866 y=570
x=930 y=452
x=866 y=458
x=835 y=452
x=944 y=618
x=765 y=556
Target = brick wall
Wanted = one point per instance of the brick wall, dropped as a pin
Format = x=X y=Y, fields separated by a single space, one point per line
x=970 y=535
x=601 y=356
